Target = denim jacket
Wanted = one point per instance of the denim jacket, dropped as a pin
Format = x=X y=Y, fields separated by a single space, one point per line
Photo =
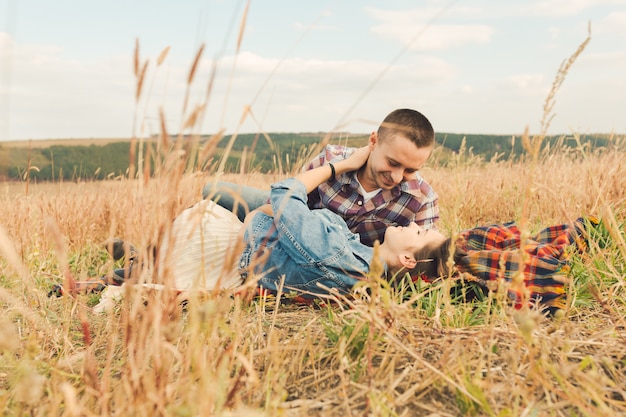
x=312 y=249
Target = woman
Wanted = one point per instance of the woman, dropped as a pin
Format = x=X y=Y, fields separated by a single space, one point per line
x=311 y=249
x=208 y=248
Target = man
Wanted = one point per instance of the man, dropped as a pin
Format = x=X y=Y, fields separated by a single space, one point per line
x=386 y=191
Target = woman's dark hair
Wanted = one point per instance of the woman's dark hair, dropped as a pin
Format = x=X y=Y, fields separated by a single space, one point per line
x=432 y=260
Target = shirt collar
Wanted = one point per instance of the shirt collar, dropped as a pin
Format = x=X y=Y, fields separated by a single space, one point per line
x=351 y=180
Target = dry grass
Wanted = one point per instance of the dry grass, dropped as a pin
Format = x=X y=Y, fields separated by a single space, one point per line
x=418 y=352
x=415 y=351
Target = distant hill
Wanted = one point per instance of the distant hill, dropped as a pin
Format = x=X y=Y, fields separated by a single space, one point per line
x=96 y=159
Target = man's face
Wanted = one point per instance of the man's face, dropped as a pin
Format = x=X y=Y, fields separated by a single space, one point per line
x=393 y=160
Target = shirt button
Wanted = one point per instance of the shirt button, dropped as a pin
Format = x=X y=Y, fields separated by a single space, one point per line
x=360 y=203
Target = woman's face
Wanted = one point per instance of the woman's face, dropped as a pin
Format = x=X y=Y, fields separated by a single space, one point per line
x=411 y=238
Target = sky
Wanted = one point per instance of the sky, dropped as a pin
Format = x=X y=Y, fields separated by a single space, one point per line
x=67 y=67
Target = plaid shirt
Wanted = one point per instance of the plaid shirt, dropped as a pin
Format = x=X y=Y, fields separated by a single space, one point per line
x=411 y=201
x=493 y=255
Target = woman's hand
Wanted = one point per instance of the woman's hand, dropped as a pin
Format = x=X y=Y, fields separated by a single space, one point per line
x=354 y=162
x=314 y=177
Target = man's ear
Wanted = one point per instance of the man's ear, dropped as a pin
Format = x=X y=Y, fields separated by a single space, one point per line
x=407 y=260
x=373 y=140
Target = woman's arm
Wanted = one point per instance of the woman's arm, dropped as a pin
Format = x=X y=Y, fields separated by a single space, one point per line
x=311 y=180
x=314 y=177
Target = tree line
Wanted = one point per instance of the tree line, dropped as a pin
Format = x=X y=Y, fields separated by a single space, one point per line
x=276 y=152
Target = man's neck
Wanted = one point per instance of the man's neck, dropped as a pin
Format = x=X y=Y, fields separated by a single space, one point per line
x=364 y=181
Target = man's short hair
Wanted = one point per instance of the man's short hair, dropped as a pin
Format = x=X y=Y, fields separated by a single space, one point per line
x=411 y=123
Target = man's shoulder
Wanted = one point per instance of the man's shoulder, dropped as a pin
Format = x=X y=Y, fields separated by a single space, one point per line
x=418 y=187
x=415 y=183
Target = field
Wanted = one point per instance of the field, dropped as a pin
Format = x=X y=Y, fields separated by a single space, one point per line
x=60 y=142
x=418 y=351
x=413 y=350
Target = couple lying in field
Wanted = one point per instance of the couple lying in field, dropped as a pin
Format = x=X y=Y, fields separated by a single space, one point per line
x=316 y=234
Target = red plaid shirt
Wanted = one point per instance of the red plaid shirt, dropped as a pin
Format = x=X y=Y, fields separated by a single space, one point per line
x=493 y=255
x=411 y=201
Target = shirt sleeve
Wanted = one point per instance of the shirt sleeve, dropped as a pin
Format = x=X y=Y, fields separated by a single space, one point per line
x=428 y=214
x=329 y=153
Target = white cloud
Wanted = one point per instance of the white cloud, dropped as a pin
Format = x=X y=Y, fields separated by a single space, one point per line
x=343 y=75
x=294 y=88
x=47 y=93
x=411 y=28
x=6 y=41
x=604 y=61
x=525 y=84
x=469 y=89
x=436 y=37
x=614 y=23
x=552 y=8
